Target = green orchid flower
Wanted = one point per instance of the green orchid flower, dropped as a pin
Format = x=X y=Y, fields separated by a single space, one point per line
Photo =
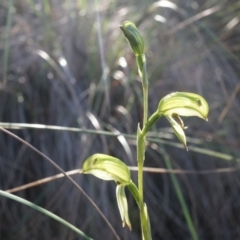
x=110 y=168
x=179 y=104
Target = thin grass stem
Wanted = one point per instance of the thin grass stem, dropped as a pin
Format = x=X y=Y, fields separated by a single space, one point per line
x=132 y=168
x=6 y=45
x=151 y=138
x=181 y=199
x=45 y=212
x=69 y=178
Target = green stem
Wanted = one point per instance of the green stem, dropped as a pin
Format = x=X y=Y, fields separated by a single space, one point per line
x=146 y=232
x=145 y=90
x=151 y=121
x=140 y=156
x=134 y=191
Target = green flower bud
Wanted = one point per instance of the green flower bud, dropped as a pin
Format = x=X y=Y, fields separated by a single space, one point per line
x=133 y=36
x=107 y=168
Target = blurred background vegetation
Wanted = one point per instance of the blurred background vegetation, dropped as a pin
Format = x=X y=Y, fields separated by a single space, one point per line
x=66 y=63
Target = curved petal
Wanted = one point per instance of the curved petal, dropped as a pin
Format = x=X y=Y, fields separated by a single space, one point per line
x=178 y=130
x=123 y=205
x=107 y=168
x=184 y=104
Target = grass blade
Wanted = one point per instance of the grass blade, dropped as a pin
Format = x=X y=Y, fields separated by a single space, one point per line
x=46 y=212
x=154 y=139
x=181 y=199
x=6 y=47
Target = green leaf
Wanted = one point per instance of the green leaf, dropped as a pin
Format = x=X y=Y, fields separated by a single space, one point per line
x=134 y=191
x=107 y=168
x=134 y=37
x=147 y=223
x=123 y=205
x=184 y=104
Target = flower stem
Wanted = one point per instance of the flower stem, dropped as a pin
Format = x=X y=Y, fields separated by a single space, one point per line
x=146 y=234
x=134 y=191
x=151 y=121
x=145 y=91
x=140 y=156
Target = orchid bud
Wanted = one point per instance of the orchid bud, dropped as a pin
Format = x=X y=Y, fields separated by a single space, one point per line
x=134 y=37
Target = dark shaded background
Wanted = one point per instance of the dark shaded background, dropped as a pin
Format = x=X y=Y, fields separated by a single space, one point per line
x=66 y=63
